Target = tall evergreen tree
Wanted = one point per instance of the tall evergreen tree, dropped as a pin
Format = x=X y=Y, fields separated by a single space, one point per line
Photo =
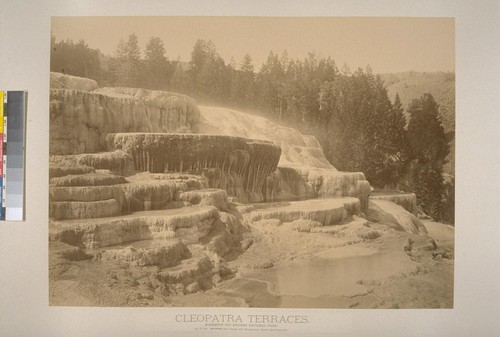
x=385 y=160
x=118 y=69
x=126 y=65
x=157 y=68
x=133 y=62
x=429 y=147
x=426 y=134
x=202 y=54
x=242 y=83
x=246 y=64
x=211 y=78
x=397 y=129
x=271 y=86
x=203 y=51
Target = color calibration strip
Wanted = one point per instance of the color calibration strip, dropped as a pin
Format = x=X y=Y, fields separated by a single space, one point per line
x=12 y=154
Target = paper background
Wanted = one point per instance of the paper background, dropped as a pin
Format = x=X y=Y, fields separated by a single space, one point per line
x=24 y=65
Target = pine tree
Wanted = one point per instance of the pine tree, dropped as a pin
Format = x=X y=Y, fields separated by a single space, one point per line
x=210 y=77
x=213 y=80
x=399 y=139
x=242 y=83
x=126 y=65
x=157 y=69
x=203 y=53
x=246 y=64
x=271 y=86
x=388 y=138
x=133 y=62
x=426 y=134
x=118 y=68
x=429 y=146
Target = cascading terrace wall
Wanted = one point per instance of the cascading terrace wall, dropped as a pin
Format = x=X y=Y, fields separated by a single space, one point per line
x=247 y=162
x=82 y=118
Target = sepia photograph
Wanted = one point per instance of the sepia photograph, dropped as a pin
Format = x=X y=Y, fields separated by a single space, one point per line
x=252 y=161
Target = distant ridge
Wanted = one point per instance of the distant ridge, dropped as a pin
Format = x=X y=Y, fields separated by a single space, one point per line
x=411 y=85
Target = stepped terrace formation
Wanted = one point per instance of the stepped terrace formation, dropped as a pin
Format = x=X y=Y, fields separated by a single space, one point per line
x=156 y=201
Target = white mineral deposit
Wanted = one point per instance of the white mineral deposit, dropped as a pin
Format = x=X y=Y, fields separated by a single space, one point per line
x=156 y=201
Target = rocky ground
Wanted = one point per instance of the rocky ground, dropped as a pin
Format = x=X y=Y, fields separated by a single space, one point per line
x=350 y=268
x=247 y=261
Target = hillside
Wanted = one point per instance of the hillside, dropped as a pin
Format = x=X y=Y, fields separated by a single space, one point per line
x=411 y=85
x=441 y=85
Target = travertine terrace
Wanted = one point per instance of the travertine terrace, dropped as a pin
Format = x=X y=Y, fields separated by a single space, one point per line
x=156 y=201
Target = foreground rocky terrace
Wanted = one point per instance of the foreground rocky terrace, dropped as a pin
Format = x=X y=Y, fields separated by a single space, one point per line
x=153 y=202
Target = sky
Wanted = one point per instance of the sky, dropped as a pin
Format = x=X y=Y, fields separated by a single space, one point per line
x=388 y=45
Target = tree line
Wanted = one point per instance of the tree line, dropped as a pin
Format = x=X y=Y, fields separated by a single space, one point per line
x=349 y=112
